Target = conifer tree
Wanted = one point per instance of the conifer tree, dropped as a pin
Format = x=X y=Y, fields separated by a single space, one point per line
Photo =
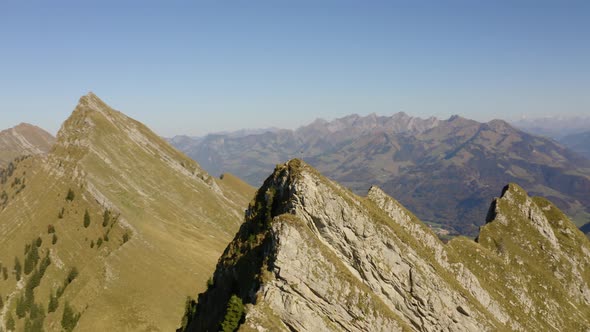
x=17 y=268
x=70 y=197
x=86 y=219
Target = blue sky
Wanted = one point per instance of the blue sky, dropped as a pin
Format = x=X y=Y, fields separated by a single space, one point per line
x=190 y=67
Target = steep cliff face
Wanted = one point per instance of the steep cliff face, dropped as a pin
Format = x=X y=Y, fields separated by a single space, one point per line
x=312 y=256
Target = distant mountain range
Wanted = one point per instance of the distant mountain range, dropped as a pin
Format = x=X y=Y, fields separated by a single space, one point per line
x=444 y=170
x=24 y=139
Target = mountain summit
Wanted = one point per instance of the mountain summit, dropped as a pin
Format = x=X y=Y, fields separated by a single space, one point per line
x=24 y=139
x=121 y=224
x=312 y=256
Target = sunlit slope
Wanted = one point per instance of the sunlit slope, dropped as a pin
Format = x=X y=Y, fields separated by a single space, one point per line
x=24 y=139
x=167 y=224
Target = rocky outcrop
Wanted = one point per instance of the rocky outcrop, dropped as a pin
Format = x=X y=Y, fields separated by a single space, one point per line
x=312 y=256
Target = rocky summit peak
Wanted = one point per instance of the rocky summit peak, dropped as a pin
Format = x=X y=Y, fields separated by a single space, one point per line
x=515 y=205
x=513 y=189
x=401 y=114
x=24 y=125
x=289 y=172
x=500 y=126
x=95 y=130
x=86 y=115
x=82 y=123
x=376 y=190
x=511 y=193
x=90 y=101
x=459 y=120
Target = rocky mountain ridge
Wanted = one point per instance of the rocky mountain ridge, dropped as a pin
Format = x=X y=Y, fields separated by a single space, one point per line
x=313 y=256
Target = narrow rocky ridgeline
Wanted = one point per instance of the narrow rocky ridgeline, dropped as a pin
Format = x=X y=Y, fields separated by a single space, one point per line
x=312 y=256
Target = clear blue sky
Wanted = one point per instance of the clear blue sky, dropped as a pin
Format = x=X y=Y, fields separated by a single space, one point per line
x=189 y=68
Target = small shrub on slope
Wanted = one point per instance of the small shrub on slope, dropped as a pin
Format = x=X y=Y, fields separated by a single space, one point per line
x=17 y=268
x=233 y=316
x=70 y=196
x=53 y=303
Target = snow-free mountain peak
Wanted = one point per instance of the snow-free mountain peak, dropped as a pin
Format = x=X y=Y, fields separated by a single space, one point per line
x=23 y=139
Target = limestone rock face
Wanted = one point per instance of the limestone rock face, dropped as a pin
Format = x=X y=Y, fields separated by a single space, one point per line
x=312 y=256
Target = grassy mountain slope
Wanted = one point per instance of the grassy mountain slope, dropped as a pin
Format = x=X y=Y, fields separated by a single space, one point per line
x=155 y=223
x=313 y=256
x=24 y=139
